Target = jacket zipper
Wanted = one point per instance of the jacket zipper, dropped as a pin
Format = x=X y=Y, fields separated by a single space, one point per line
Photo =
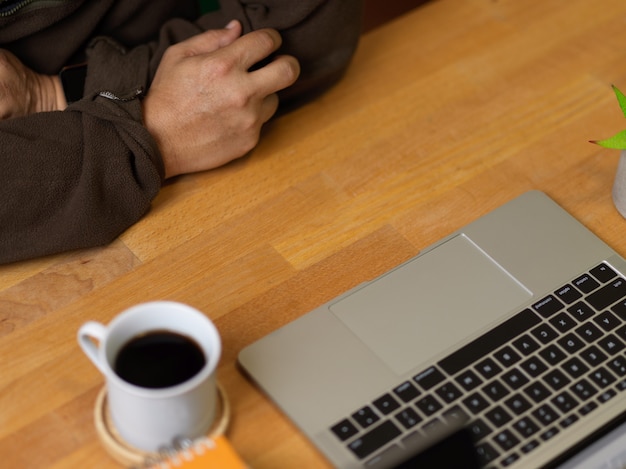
x=23 y=4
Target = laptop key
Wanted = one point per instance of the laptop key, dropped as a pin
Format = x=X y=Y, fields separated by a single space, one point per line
x=548 y=306
x=365 y=417
x=432 y=425
x=526 y=427
x=550 y=433
x=533 y=366
x=564 y=402
x=544 y=333
x=506 y=440
x=429 y=405
x=571 y=343
x=603 y=273
x=518 y=404
x=515 y=378
x=498 y=416
x=556 y=379
x=586 y=283
x=408 y=418
x=526 y=344
x=587 y=408
x=406 y=391
x=581 y=311
x=607 y=321
x=563 y=322
x=568 y=421
x=486 y=453
x=537 y=392
x=429 y=378
x=568 y=294
x=490 y=341
x=507 y=356
x=602 y=377
x=386 y=404
x=545 y=414
x=575 y=367
x=583 y=389
x=609 y=294
x=593 y=355
x=488 y=368
x=374 y=439
x=606 y=396
x=611 y=344
x=479 y=429
x=618 y=365
x=621 y=333
x=589 y=332
x=620 y=309
x=510 y=459
x=476 y=403
x=469 y=380
x=344 y=430
x=495 y=390
x=552 y=354
x=528 y=447
x=448 y=392
x=455 y=414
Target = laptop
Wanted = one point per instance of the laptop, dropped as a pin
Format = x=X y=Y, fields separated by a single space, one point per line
x=514 y=324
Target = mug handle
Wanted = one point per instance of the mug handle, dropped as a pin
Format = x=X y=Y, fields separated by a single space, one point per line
x=86 y=334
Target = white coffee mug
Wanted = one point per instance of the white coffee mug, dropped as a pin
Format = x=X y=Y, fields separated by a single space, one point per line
x=148 y=418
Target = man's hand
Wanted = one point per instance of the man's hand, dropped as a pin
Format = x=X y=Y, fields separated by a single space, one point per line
x=205 y=107
x=23 y=91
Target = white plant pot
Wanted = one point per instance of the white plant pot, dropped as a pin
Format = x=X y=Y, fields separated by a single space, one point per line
x=619 y=185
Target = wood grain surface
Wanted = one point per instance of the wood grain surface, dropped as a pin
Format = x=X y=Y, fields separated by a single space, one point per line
x=446 y=112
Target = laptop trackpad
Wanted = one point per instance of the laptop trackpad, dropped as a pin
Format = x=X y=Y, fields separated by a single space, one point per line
x=430 y=304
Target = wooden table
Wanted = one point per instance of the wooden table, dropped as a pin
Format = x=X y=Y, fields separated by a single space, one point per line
x=446 y=113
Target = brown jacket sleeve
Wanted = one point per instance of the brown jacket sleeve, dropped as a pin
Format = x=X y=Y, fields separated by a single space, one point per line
x=74 y=179
x=80 y=177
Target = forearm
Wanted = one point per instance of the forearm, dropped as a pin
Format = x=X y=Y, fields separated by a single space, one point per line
x=72 y=180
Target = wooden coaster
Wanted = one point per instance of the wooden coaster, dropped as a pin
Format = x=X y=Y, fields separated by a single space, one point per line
x=128 y=455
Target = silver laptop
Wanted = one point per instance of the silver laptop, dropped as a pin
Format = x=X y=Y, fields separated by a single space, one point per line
x=515 y=323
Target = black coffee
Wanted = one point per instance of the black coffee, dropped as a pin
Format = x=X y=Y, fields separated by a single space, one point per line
x=159 y=359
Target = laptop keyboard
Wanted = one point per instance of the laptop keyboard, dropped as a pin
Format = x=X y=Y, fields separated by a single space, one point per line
x=517 y=386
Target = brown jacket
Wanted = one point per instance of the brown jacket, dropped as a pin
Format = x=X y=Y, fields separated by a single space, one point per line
x=80 y=177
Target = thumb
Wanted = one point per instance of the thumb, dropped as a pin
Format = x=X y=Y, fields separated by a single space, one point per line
x=211 y=40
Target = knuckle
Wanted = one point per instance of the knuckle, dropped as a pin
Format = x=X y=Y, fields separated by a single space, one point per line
x=221 y=66
x=239 y=99
x=267 y=39
x=291 y=69
x=251 y=141
x=170 y=53
x=5 y=59
x=252 y=123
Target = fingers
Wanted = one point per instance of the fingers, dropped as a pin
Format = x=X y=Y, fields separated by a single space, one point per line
x=269 y=107
x=279 y=74
x=210 y=40
x=256 y=46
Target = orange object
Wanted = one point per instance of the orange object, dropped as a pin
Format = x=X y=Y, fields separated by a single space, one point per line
x=204 y=454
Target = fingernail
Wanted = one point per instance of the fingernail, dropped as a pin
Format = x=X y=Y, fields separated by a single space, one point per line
x=232 y=24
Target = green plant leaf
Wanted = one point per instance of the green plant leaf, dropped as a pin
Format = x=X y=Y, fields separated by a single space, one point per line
x=617 y=141
x=621 y=99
